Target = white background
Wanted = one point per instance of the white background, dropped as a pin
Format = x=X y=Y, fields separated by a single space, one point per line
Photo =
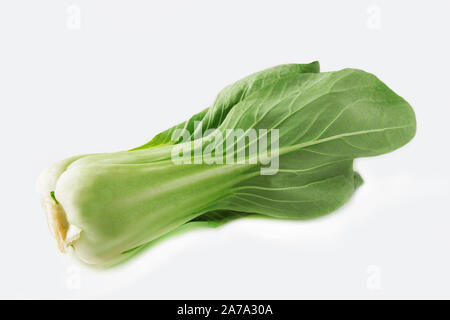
x=94 y=76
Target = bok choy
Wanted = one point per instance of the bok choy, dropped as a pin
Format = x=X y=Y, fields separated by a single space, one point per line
x=278 y=143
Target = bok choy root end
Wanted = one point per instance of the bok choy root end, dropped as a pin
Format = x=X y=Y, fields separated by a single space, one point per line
x=313 y=125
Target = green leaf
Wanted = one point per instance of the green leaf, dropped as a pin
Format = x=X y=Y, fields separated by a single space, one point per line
x=325 y=121
x=213 y=116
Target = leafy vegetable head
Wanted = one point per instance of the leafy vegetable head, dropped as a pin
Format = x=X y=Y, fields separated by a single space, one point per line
x=115 y=202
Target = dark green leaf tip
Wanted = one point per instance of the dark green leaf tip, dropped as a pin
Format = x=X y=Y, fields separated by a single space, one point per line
x=52 y=194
